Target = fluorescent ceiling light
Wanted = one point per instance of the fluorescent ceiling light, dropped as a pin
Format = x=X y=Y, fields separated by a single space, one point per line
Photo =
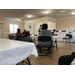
x=29 y=16
x=46 y=12
x=18 y=19
x=73 y=13
x=62 y=11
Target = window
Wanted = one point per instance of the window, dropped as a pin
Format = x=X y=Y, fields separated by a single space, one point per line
x=13 y=28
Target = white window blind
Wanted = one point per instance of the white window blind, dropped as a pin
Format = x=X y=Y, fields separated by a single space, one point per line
x=13 y=28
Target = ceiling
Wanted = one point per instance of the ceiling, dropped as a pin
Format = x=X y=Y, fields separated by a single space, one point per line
x=14 y=14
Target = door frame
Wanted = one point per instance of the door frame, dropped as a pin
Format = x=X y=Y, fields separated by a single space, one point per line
x=40 y=23
x=2 y=29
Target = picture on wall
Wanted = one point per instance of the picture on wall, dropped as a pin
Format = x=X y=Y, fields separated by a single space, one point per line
x=29 y=26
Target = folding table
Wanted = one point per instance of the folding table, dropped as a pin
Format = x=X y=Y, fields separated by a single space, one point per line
x=13 y=52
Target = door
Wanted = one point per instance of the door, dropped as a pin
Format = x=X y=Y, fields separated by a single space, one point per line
x=30 y=28
x=51 y=25
x=1 y=30
x=37 y=26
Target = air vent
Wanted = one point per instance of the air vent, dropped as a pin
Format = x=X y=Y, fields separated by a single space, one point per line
x=62 y=12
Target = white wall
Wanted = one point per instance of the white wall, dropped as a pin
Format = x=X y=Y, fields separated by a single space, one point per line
x=51 y=25
x=31 y=30
x=37 y=26
x=37 y=23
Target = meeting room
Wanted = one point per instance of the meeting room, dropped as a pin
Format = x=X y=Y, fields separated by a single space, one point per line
x=37 y=37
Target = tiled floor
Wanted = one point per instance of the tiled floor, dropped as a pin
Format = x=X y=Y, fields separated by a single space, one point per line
x=63 y=49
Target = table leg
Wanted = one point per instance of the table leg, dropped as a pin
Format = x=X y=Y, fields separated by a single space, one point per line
x=25 y=62
x=56 y=44
x=28 y=61
x=22 y=62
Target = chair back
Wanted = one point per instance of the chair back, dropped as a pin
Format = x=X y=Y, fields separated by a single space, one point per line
x=24 y=39
x=28 y=34
x=69 y=36
x=12 y=37
x=44 y=41
x=44 y=38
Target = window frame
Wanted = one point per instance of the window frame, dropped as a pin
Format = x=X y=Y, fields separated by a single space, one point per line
x=13 y=24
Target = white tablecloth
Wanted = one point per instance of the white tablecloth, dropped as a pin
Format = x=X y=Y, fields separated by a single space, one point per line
x=63 y=34
x=12 y=52
x=54 y=37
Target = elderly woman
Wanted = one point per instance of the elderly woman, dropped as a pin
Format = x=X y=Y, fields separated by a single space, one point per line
x=18 y=34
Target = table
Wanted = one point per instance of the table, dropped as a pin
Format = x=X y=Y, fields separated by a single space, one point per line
x=13 y=52
x=62 y=34
x=54 y=39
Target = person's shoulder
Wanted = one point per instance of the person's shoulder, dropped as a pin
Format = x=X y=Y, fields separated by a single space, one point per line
x=17 y=33
x=48 y=30
x=45 y=30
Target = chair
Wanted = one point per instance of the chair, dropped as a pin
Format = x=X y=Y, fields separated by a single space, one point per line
x=12 y=37
x=66 y=59
x=28 y=34
x=45 y=41
x=26 y=39
x=67 y=37
x=55 y=35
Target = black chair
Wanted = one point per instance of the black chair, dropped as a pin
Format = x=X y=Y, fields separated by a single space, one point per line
x=26 y=39
x=66 y=59
x=45 y=41
x=52 y=33
x=67 y=37
x=28 y=34
x=12 y=36
x=55 y=35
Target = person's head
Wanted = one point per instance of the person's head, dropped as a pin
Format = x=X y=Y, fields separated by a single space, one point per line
x=24 y=30
x=18 y=30
x=54 y=30
x=40 y=26
x=44 y=26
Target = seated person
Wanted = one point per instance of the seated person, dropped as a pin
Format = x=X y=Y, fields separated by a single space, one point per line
x=40 y=28
x=53 y=32
x=45 y=32
x=18 y=34
x=24 y=33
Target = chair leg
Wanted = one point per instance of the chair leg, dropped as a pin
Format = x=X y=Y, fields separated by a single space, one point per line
x=51 y=54
x=66 y=42
x=47 y=54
